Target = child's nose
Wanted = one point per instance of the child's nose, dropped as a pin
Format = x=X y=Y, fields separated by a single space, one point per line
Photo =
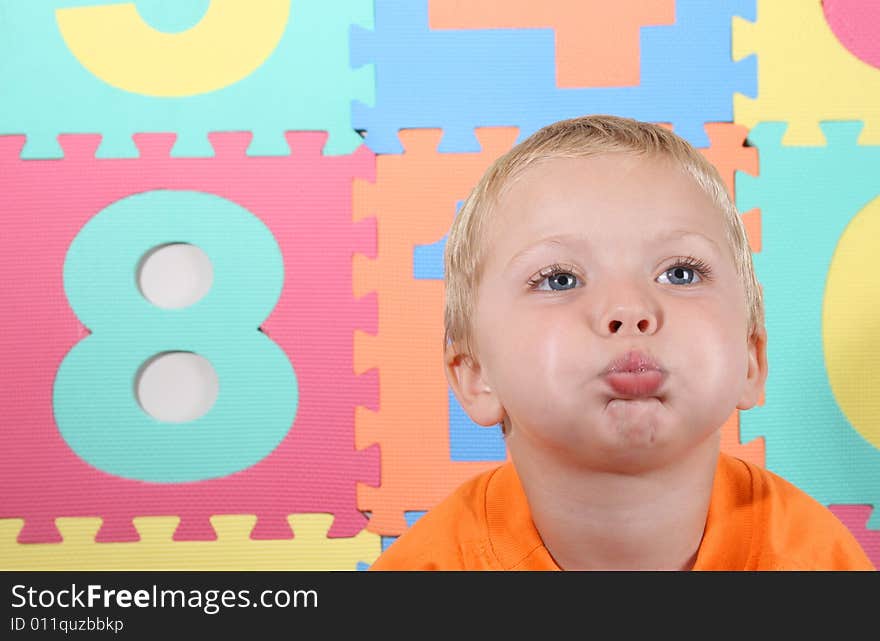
x=633 y=320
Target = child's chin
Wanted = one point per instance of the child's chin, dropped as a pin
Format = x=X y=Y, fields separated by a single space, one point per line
x=635 y=424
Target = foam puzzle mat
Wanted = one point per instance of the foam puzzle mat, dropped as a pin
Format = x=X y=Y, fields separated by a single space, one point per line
x=317 y=153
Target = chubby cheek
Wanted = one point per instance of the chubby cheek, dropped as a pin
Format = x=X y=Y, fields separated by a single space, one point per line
x=529 y=356
x=713 y=365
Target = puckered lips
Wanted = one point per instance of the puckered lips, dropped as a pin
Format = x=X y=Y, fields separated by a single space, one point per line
x=634 y=374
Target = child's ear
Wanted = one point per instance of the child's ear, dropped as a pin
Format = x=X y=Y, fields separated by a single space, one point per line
x=756 y=376
x=475 y=396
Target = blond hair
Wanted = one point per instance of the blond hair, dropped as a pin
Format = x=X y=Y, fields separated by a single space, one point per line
x=578 y=138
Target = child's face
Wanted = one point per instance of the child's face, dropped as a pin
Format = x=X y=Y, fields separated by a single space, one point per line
x=619 y=228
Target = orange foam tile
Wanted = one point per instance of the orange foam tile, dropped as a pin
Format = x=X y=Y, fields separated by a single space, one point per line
x=414 y=198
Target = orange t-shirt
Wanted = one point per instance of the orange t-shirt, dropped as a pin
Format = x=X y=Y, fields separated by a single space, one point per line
x=757 y=521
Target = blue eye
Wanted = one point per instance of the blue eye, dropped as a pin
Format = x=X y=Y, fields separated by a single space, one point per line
x=556 y=277
x=687 y=270
x=679 y=276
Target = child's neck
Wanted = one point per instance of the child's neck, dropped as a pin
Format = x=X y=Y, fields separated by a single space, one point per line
x=592 y=520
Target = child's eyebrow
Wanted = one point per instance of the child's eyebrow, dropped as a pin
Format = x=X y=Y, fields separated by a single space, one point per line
x=681 y=233
x=559 y=240
x=572 y=239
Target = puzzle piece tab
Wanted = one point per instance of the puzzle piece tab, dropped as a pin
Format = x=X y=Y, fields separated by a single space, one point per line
x=156 y=549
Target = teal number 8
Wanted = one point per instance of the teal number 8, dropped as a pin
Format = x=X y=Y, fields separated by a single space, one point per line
x=96 y=409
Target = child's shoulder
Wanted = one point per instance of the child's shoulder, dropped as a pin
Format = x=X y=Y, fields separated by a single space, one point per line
x=787 y=527
x=771 y=493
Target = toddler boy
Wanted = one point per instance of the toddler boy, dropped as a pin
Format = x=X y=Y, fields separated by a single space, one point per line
x=601 y=305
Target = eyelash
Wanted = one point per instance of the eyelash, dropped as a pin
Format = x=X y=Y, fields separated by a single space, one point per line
x=688 y=262
x=549 y=272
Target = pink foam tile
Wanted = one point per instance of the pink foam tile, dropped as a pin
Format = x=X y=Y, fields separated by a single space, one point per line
x=855 y=517
x=305 y=200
